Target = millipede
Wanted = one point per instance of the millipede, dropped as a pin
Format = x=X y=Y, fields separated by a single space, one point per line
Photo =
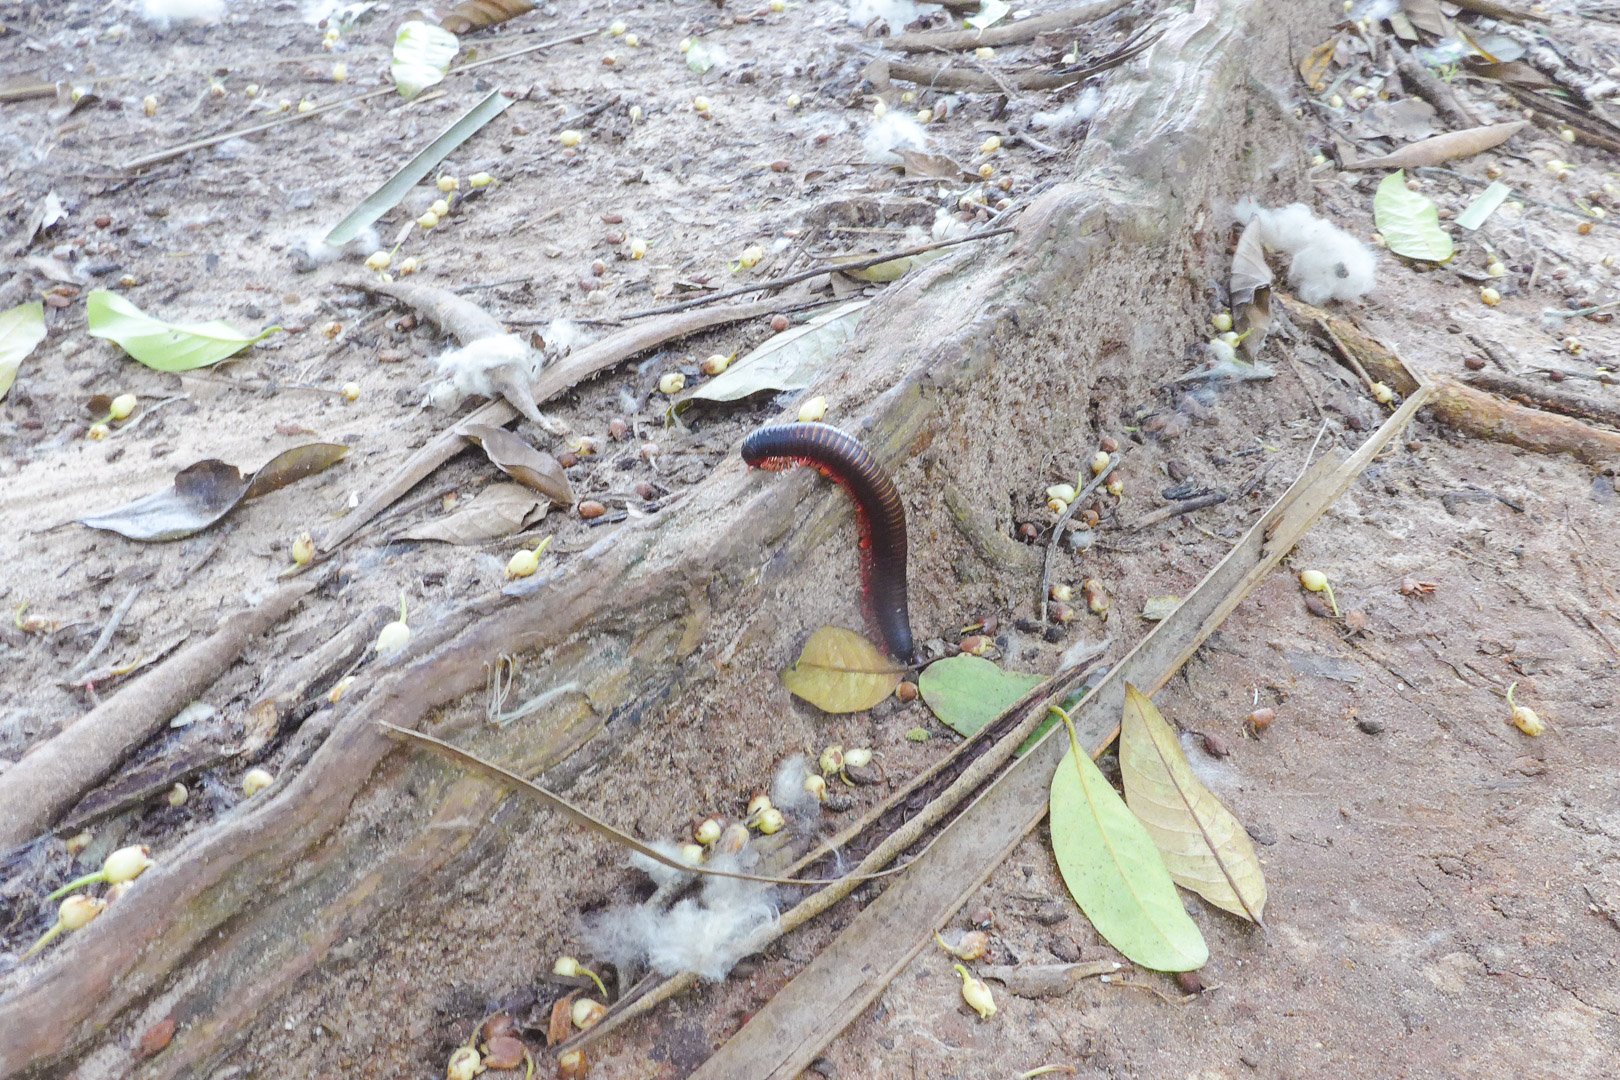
x=879 y=514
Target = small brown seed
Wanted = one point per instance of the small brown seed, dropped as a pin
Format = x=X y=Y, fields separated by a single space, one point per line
x=613 y=239
x=598 y=268
x=590 y=508
x=568 y=459
x=646 y=491
x=1261 y=719
x=612 y=219
x=782 y=165
x=156 y=1037
x=498 y=1025
x=1028 y=533
x=1474 y=363
x=906 y=691
x=617 y=428
x=504 y=1052
x=779 y=323
x=1190 y=982
x=1108 y=444
x=1060 y=612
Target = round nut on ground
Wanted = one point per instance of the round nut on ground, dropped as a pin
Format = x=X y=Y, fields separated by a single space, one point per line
x=590 y=508
x=779 y=323
x=906 y=691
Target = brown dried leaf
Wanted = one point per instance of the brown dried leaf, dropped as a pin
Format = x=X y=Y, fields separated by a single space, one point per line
x=1407 y=120
x=934 y=166
x=1513 y=73
x=205 y=492
x=291 y=466
x=522 y=462
x=1426 y=16
x=499 y=510
x=1445 y=147
x=1314 y=66
x=470 y=15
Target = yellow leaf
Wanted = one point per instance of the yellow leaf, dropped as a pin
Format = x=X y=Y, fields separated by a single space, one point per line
x=1313 y=68
x=841 y=672
x=1205 y=848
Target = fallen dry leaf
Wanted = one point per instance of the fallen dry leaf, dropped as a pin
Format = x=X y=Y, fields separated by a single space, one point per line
x=499 y=510
x=470 y=15
x=841 y=672
x=522 y=462
x=1454 y=144
x=1204 y=847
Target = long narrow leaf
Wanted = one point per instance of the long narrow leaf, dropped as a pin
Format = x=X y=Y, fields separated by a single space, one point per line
x=387 y=196
x=1114 y=872
x=164 y=346
x=1205 y=848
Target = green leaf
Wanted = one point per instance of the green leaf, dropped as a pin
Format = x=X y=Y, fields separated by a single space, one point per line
x=388 y=196
x=1114 y=872
x=789 y=361
x=990 y=13
x=1409 y=221
x=160 y=345
x=21 y=328
x=1483 y=206
x=422 y=54
x=967 y=692
x=841 y=672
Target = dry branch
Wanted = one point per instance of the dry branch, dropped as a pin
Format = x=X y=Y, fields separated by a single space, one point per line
x=1012 y=33
x=36 y=790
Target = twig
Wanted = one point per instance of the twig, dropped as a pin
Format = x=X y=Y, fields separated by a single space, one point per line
x=1426 y=86
x=214 y=140
x=806 y=275
x=1015 y=33
x=1185 y=506
x=963 y=79
x=1057 y=531
x=105 y=639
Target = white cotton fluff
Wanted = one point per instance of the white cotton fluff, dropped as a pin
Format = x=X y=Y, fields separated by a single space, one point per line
x=321 y=253
x=563 y=336
x=703 y=936
x=893 y=131
x=947 y=226
x=897 y=13
x=163 y=13
x=1072 y=115
x=787 y=787
x=1328 y=263
x=662 y=874
x=485 y=368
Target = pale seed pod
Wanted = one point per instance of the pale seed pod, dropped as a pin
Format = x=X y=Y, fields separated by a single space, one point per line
x=708 y=831
x=671 y=383
x=255 y=781
x=860 y=757
x=733 y=838
x=464 y=1064
x=831 y=760
x=771 y=821
x=976 y=994
x=586 y=1012
x=122 y=406
x=303 y=549
x=813 y=410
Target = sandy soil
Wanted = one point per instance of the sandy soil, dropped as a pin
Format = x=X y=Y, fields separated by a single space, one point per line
x=1445 y=893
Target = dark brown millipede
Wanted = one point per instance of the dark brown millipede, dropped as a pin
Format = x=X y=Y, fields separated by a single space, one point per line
x=878 y=512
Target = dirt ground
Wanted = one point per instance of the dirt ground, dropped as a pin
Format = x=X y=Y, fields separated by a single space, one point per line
x=1444 y=891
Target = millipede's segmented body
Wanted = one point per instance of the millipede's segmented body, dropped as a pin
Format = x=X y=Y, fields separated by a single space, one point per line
x=878 y=513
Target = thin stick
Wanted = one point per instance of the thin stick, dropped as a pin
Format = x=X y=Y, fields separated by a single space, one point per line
x=806 y=275
x=1185 y=506
x=1014 y=33
x=1057 y=531
x=105 y=639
